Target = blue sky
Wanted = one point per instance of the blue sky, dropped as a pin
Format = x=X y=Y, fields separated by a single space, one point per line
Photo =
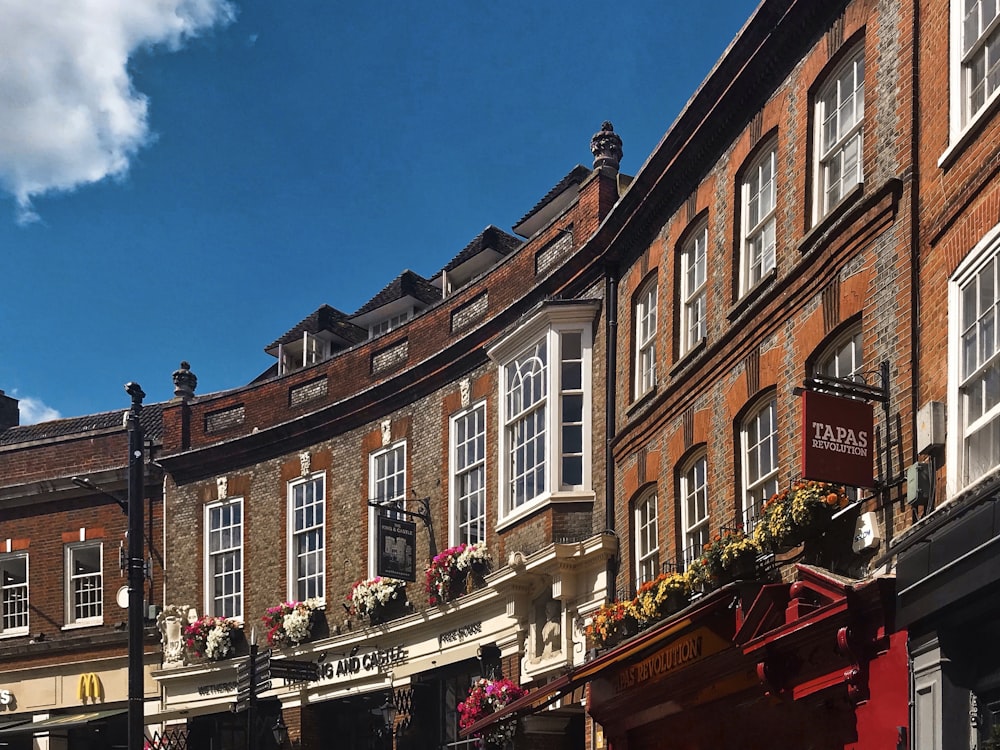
x=187 y=179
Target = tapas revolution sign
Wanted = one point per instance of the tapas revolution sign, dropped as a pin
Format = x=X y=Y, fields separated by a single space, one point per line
x=837 y=444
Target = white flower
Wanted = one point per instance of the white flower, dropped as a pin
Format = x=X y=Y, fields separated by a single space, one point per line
x=297 y=624
x=218 y=645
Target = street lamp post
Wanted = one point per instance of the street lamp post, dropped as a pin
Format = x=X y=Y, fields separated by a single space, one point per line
x=136 y=569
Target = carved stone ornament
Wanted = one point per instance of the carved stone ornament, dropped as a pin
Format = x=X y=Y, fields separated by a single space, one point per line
x=465 y=388
x=185 y=382
x=606 y=146
x=386 y=432
x=305 y=463
x=170 y=622
x=222 y=485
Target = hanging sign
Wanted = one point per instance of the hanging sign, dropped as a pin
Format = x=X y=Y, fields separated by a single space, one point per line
x=397 y=548
x=837 y=440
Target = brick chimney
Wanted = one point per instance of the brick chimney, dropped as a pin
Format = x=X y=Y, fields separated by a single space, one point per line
x=606 y=147
x=10 y=414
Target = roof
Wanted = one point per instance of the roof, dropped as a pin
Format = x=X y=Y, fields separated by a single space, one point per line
x=407 y=284
x=325 y=318
x=151 y=419
x=577 y=175
x=490 y=238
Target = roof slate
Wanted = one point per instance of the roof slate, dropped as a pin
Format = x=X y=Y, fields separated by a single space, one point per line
x=151 y=419
x=325 y=318
x=577 y=175
x=491 y=238
x=407 y=284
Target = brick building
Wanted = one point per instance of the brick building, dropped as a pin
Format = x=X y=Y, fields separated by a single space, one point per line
x=63 y=636
x=948 y=564
x=401 y=411
x=765 y=269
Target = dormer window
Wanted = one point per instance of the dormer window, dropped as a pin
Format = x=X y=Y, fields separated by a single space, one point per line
x=309 y=350
x=384 y=326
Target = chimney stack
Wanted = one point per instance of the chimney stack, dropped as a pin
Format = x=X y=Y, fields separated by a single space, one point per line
x=10 y=414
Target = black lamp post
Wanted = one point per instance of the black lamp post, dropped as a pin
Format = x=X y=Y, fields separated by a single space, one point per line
x=136 y=569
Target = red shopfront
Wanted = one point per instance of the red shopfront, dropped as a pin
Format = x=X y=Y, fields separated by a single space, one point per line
x=811 y=664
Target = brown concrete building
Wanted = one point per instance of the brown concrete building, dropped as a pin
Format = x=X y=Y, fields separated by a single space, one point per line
x=63 y=637
x=469 y=403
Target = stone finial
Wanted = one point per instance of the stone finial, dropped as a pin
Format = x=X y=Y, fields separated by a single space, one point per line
x=606 y=147
x=185 y=382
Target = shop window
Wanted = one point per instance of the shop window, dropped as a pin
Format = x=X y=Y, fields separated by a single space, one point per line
x=545 y=401
x=975 y=59
x=974 y=364
x=468 y=475
x=14 y=588
x=759 y=450
x=645 y=338
x=839 y=113
x=757 y=240
x=647 y=539
x=224 y=526
x=307 y=521
x=693 y=288
x=694 y=507
x=85 y=590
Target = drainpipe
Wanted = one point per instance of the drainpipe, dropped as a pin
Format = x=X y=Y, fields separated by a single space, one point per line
x=610 y=380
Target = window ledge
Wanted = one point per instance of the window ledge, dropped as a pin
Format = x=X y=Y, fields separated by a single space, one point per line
x=644 y=399
x=83 y=624
x=971 y=130
x=752 y=295
x=15 y=634
x=554 y=498
x=814 y=237
x=688 y=357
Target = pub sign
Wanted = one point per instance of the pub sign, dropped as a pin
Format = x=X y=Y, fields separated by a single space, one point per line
x=837 y=440
x=397 y=548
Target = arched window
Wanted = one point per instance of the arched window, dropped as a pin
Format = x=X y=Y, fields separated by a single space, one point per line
x=693 y=496
x=759 y=444
x=757 y=217
x=645 y=338
x=844 y=358
x=647 y=538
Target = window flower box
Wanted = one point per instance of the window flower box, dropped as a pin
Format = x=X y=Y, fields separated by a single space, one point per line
x=456 y=571
x=212 y=638
x=378 y=599
x=291 y=623
x=798 y=514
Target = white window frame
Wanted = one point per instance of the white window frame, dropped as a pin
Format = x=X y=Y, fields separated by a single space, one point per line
x=844 y=357
x=467 y=452
x=72 y=617
x=234 y=553
x=846 y=137
x=986 y=253
x=694 y=288
x=758 y=242
x=299 y=585
x=389 y=488
x=391 y=323
x=962 y=116
x=693 y=493
x=17 y=595
x=548 y=328
x=759 y=477
x=645 y=523
x=646 y=314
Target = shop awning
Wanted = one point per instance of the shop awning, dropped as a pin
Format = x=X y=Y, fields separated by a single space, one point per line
x=64 y=721
x=549 y=693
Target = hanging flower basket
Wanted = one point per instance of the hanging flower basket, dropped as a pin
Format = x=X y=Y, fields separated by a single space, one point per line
x=487 y=697
x=456 y=571
x=663 y=596
x=212 y=638
x=379 y=599
x=291 y=623
x=730 y=556
x=612 y=623
x=797 y=514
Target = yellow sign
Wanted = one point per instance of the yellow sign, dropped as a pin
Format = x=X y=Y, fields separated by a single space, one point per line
x=90 y=688
x=681 y=652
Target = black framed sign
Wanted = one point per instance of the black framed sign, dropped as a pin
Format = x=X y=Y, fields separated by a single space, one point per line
x=396 y=542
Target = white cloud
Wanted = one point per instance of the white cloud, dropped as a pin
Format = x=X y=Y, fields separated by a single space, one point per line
x=34 y=411
x=70 y=115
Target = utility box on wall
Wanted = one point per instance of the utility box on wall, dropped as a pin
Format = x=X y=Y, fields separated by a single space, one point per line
x=930 y=427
